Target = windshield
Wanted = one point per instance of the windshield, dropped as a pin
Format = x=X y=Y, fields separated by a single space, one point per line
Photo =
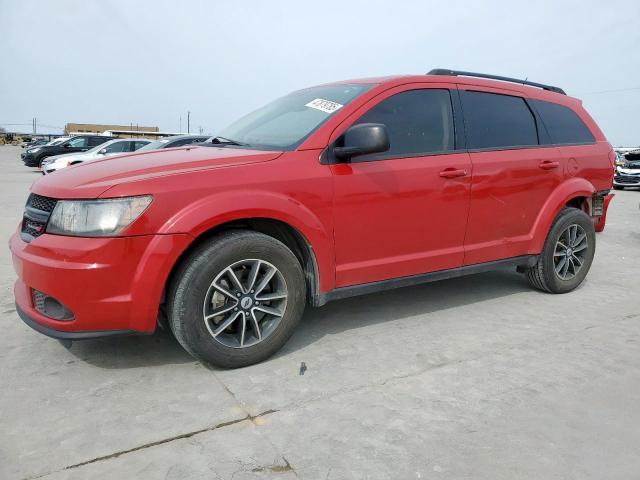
x=57 y=141
x=284 y=123
x=154 y=145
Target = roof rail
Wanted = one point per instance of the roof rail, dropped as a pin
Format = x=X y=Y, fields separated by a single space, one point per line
x=456 y=73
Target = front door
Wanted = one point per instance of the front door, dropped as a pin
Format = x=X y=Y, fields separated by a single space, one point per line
x=403 y=212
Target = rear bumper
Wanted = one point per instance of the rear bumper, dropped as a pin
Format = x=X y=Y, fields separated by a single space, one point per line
x=111 y=285
x=602 y=219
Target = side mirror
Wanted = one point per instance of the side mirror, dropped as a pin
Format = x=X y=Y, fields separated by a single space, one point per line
x=67 y=145
x=363 y=139
x=102 y=152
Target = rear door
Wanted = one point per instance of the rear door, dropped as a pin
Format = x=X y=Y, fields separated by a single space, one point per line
x=402 y=212
x=513 y=174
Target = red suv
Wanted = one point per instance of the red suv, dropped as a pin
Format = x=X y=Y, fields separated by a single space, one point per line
x=333 y=191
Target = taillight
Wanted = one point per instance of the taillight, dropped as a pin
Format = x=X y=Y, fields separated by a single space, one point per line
x=612 y=158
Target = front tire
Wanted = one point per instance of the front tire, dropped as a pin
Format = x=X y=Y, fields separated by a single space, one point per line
x=567 y=254
x=236 y=299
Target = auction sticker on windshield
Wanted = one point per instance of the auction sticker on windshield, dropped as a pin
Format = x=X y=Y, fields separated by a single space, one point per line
x=323 y=105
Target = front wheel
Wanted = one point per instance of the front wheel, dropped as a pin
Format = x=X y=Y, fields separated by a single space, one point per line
x=567 y=254
x=236 y=299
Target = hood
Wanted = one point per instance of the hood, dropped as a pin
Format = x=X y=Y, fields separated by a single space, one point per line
x=91 y=179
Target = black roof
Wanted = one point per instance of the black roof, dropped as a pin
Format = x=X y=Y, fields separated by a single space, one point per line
x=444 y=71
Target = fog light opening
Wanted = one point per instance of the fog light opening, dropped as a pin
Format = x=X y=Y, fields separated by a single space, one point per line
x=50 y=307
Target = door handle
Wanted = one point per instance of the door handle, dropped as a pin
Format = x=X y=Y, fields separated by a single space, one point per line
x=549 y=165
x=452 y=173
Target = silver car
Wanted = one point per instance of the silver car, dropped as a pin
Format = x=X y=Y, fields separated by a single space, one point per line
x=112 y=147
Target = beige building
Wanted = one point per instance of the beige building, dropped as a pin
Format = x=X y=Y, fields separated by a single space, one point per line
x=95 y=128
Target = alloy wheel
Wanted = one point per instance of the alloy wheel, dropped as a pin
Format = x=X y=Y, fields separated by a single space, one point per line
x=570 y=252
x=245 y=303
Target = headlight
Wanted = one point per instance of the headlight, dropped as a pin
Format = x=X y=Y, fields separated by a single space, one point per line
x=96 y=218
x=34 y=150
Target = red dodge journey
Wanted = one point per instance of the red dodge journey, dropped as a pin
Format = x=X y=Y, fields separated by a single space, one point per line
x=332 y=191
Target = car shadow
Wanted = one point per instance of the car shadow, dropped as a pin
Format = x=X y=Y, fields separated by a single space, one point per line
x=133 y=351
x=332 y=319
x=340 y=316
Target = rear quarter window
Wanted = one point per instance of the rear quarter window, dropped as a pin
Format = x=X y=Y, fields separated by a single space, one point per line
x=498 y=121
x=562 y=123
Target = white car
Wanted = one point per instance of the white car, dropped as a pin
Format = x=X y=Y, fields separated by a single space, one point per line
x=112 y=147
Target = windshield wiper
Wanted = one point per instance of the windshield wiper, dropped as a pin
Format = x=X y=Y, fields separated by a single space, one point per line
x=227 y=141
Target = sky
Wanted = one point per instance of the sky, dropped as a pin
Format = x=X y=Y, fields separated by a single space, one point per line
x=149 y=62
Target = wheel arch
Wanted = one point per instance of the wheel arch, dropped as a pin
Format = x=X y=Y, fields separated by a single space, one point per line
x=574 y=192
x=282 y=231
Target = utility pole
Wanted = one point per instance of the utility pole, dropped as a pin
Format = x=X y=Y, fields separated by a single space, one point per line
x=188 y=121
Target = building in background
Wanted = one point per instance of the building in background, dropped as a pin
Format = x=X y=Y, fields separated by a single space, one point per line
x=95 y=128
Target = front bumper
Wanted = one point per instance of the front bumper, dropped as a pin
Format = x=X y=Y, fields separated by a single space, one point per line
x=30 y=160
x=624 y=180
x=112 y=286
x=67 y=336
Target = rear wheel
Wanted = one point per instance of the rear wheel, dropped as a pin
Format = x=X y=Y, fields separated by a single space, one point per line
x=567 y=255
x=236 y=299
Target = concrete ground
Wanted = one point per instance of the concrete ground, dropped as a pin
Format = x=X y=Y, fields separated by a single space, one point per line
x=473 y=378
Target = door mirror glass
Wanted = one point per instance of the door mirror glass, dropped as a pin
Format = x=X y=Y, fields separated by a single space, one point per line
x=362 y=139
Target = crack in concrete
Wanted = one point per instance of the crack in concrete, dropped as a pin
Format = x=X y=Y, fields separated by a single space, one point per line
x=182 y=436
x=290 y=406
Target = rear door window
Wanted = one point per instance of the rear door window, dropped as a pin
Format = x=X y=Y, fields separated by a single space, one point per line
x=117 y=147
x=495 y=121
x=78 y=142
x=563 y=124
x=95 y=141
x=419 y=122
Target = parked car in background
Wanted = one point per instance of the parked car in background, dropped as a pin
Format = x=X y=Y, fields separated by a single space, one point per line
x=112 y=147
x=35 y=143
x=177 y=141
x=332 y=191
x=628 y=174
x=80 y=143
x=55 y=141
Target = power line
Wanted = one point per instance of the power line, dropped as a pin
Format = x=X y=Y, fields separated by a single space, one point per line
x=610 y=91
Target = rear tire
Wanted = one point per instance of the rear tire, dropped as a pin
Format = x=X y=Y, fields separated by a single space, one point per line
x=255 y=283
x=567 y=254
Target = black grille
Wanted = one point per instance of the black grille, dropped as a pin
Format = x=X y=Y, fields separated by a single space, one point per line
x=39 y=202
x=627 y=179
x=36 y=216
x=30 y=227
